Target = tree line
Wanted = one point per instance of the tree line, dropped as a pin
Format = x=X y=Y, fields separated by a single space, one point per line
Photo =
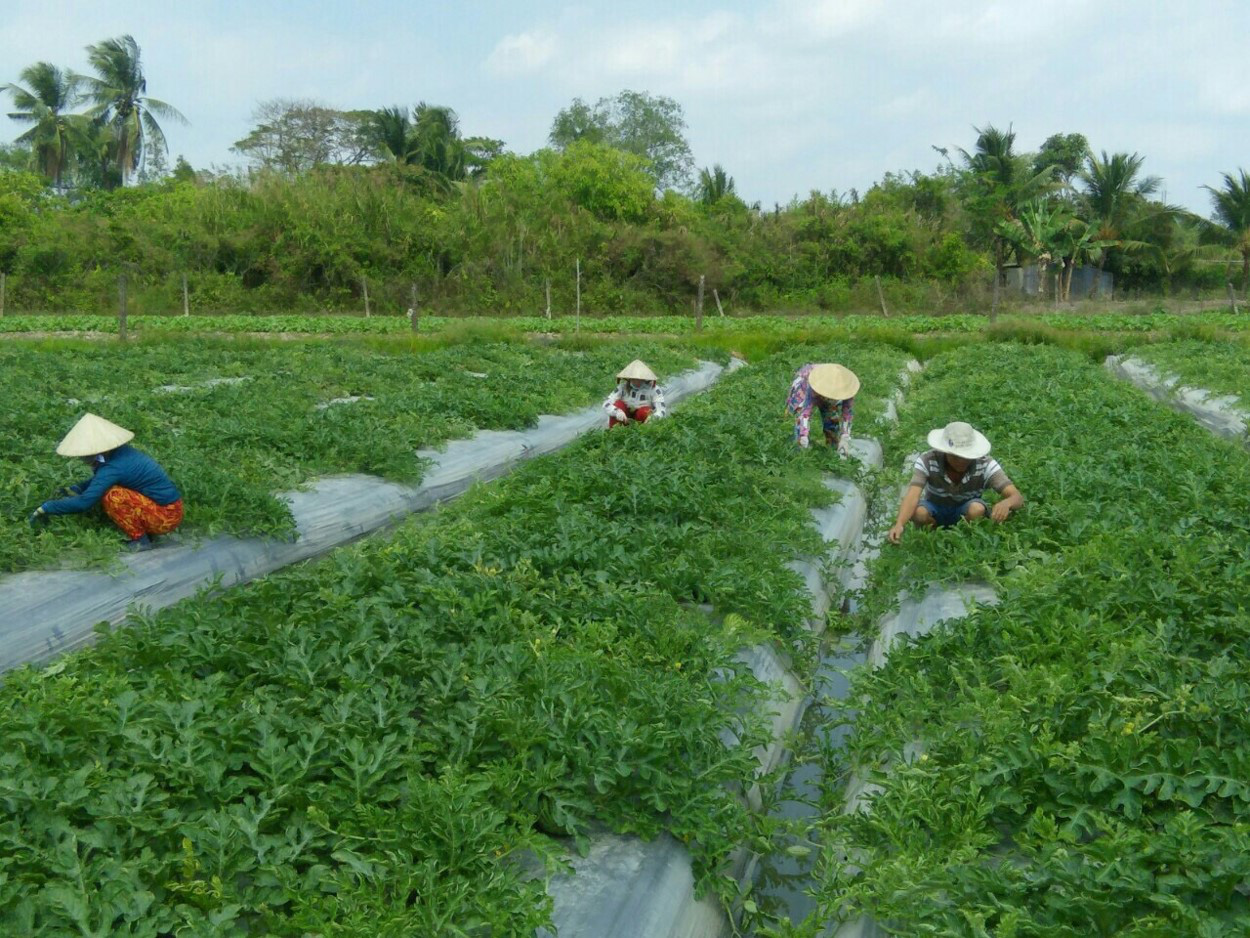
x=334 y=200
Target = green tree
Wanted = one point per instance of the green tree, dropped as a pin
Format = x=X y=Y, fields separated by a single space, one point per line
x=1231 y=208
x=1063 y=155
x=43 y=103
x=610 y=184
x=996 y=181
x=15 y=157
x=714 y=185
x=118 y=91
x=293 y=136
x=1115 y=202
x=579 y=121
x=183 y=171
x=480 y=153
x=436 y=143
x=649 y=126
x=21 y=195
x=1038 y=232
x=390 y=130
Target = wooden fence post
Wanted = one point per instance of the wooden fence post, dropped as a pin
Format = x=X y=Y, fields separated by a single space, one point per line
x=414 y=315
x=716 y=296
x=881 y=297
x=548 y=297
x=698 y=310
x=2 y=276
x=364 y=283
x=1232 y=296
x=577 y=323
x=186 y=302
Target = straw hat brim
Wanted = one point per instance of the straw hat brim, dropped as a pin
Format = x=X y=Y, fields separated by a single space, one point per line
x=93 y=435
x=638 y=370
x=980 y=446
x=835 y=382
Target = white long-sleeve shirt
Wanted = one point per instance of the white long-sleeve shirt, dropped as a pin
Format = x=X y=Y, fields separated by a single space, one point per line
x=648 y=395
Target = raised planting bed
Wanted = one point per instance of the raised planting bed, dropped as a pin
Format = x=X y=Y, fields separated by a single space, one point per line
x=359 y=745
x=47 y=613
x=1205 y=380
x=1083 y=763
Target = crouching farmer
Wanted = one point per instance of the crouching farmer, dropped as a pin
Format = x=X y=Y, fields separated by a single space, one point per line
x=948 y=481
x=637 y=397
x=134 y=491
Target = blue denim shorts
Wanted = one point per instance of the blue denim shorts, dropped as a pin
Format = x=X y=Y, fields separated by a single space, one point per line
x=947 y=515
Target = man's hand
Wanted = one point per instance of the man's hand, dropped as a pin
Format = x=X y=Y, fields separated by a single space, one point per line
x=1000 y=512
x=895 y=535
x=803 y=442
x=37 y=517
x=844 y=446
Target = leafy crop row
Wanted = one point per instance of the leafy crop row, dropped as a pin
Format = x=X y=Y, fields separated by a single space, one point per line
x=231 y=446
x=1086 y=763
x=676 y=325
x=1222 y=367
x=361 y=746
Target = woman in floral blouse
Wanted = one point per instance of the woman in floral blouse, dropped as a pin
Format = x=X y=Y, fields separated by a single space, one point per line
x=830 y=389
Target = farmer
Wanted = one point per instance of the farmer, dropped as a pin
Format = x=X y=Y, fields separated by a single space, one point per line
x=135 y=492
x=948 y=481
x=831 y=390
x=637 y=396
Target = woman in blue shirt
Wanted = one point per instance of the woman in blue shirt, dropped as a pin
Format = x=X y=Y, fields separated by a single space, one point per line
x=133 y=489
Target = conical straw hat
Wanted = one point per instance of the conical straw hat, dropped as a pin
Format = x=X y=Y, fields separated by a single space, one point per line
x=93 y=435
x=834 y=382
x=637 y=369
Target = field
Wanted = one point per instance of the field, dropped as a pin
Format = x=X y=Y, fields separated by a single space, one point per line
x=234 y=423
x=1119 y=322
x=392 y=739
x=1084 y=766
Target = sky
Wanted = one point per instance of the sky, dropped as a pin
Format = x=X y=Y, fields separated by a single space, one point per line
x=787 y=95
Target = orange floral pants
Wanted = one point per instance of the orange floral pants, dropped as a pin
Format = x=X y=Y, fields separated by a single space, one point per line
x=138 y=515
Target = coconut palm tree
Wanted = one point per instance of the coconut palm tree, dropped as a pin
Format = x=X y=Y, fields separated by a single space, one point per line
x=1232 y=211
x=996 y=182
x=436 y=142
x=118 y=91
x=390 y=131
x=714 y=185
x=1115 y=198
x=48 y=93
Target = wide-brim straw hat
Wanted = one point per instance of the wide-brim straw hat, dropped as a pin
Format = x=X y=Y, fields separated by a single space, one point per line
x=959 y=439
x=638 y=370
x=93 y=435
x=835 y=382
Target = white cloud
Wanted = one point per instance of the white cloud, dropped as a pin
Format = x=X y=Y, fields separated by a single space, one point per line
x=521 y=53
x=819 y=20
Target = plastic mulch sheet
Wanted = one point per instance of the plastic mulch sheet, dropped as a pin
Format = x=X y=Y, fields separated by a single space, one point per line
x=629 y=888
x=46 y=613
x=1223 y=415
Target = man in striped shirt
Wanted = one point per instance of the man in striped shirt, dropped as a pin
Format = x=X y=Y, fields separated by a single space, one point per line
x=948 y=481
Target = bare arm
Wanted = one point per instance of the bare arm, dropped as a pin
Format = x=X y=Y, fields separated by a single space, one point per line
x=911 y=498
x=1012 y=499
